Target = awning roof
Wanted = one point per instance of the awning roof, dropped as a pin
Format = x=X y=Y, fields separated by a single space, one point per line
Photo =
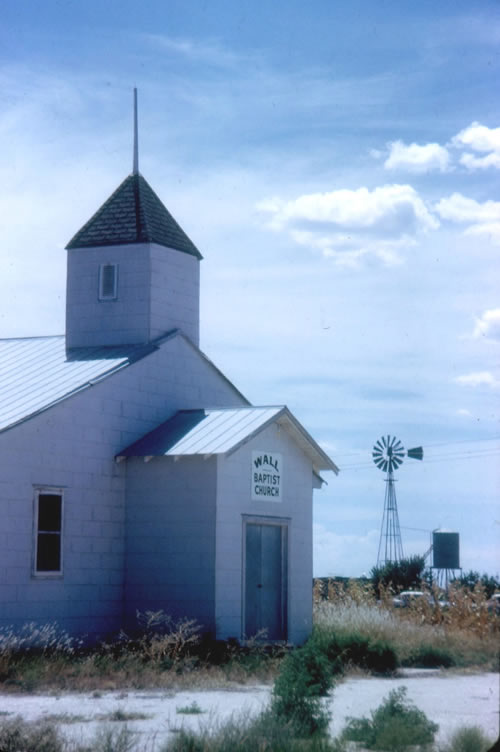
x=221 y=431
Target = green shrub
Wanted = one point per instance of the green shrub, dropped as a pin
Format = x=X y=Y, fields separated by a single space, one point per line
x=394 y=725
x=356 y=649
x=405 y=574
x=429 y=656
x=469 y=739
x=304 y=678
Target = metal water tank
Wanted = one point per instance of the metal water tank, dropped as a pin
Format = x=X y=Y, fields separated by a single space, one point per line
x=446 y=550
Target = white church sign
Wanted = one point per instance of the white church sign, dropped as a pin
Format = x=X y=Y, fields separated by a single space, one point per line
x=267 y=476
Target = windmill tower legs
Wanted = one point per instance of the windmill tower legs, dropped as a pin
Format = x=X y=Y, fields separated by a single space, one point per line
x=390 y=547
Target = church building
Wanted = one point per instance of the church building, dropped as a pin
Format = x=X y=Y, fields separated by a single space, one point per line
x=134 y=475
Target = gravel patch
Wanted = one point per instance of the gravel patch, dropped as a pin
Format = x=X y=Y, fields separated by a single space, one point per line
x=450 y=700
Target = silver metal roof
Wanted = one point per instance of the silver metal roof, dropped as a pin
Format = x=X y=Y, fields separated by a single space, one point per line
x=222 y=431
x=37 y=372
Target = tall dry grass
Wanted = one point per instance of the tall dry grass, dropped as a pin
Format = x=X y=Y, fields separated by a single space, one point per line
x=160 y=652
x=463 y=628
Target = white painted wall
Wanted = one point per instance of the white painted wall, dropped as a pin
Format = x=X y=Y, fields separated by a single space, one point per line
x=175 y=292
x=158 y=290
x=234 y=501
x=170 y=541
x=72 y=445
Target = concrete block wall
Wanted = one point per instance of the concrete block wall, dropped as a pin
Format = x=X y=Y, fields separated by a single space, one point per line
x=175 y=292
x=158 y=290
x=170 y=541
x=126 y=320
x=72 y=446
x=234 y=474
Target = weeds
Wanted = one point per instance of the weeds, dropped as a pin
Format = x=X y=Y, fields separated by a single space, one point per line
x=107 y=740
x=425 y=634
x=119 y=716
x=351 y=628
x=193 y=709
x=18 y=736
x=266 y=733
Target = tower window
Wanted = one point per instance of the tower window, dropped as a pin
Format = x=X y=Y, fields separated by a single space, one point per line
x=108 y=281
x=48 y=532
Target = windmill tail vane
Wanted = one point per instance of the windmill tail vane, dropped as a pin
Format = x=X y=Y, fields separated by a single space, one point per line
x=416 y=454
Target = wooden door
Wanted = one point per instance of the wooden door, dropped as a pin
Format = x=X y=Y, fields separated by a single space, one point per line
x=265 y=580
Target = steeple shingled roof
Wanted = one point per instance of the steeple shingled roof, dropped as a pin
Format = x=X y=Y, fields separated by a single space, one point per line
x=133 y=214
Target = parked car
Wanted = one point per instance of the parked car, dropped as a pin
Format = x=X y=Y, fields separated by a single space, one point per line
x=408 y=597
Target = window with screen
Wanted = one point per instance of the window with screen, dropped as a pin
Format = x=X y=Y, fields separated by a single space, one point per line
x=48 y=543
x=108 y=281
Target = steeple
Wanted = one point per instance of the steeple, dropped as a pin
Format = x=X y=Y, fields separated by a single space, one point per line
x=135 y=169
x=133 y=214
x=133 y=273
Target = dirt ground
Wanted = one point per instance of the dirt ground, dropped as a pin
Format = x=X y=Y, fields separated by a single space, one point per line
x=451 y=700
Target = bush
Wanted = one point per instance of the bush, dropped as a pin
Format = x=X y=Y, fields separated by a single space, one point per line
x=356 y=649
x=469 y=739
x=405 y=574
x=394 y=725
x=429 y=656
x=304 y=678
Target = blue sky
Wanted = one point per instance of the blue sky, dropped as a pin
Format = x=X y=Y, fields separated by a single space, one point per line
x=338 y=165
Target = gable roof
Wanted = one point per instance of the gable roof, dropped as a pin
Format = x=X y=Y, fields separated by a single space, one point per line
x=38 y=372
x=222 y=431
x=133 y=214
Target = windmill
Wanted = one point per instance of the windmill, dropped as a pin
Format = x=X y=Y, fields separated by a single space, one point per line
x=388 y=454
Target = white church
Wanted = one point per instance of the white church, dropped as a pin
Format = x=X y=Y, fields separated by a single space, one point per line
x=133 y=474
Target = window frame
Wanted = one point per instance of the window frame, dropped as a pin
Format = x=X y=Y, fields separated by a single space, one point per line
x=101 y=293
x=47 y=573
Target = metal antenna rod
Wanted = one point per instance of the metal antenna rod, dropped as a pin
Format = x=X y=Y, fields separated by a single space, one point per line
x=135 y=170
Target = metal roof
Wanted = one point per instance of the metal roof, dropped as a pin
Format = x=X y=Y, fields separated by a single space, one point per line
x=38 y=372
x=222 y=431
x=133 y=214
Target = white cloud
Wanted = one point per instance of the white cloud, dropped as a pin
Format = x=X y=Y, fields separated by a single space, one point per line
x=458 y=208
x=481 y=139
x=478 y=163
x=491 y=229
x=483 y=218
x=464 y=413
x=488 y=325
x=349 y=224
x=478 y=378
x=417 y=158
x=211 y=53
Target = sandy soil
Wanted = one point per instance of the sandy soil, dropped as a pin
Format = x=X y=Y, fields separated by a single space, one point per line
x=450 y=700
